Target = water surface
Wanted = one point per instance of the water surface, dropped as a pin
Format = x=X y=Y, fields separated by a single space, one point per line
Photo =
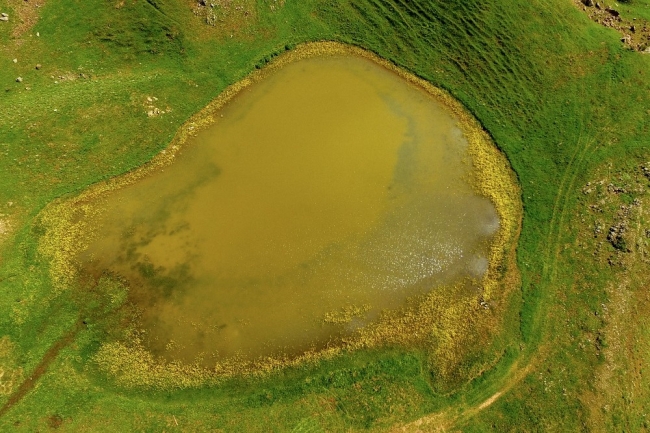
x=323 y=194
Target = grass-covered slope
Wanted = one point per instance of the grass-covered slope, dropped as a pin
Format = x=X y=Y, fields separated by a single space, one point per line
x=560 y=95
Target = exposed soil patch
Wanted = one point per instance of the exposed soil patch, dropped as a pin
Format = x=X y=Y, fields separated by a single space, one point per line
x=635 y=33
x=54 y=421
x=229 y=16
x=5 y=229
x=27 y=14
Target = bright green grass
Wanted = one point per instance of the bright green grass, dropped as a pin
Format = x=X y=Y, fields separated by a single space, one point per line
x=559 y=94
x=635 y=8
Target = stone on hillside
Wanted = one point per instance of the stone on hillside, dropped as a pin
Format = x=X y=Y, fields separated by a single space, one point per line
x=646 y=170
x=4 y=15
x=589 y=3
x=4 y=18
x=19 y=80
x=38 y=66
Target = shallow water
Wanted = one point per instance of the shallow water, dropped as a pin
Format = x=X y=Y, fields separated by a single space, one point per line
x=330 y=184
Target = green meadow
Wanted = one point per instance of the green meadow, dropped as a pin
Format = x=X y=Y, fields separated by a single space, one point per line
x=561 y=96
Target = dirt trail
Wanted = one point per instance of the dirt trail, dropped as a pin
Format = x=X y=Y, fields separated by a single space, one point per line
x=443 y=422
x=40 y=369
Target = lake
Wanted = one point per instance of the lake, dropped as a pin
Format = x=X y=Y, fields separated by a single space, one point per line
x=323 y=194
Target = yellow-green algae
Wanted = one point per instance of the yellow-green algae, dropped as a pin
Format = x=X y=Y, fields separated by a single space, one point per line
x=445 y=320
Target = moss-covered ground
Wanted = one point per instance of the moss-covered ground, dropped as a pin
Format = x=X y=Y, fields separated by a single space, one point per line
x=561 y=96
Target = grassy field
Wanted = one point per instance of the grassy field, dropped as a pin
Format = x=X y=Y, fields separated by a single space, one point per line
x=561 y=96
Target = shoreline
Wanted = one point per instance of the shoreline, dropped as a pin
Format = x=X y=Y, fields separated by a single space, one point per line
x=492 y=177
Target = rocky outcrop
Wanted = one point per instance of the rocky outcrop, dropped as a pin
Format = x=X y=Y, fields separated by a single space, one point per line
x=635 y=33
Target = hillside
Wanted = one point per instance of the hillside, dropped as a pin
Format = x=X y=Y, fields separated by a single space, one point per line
x=92 y=90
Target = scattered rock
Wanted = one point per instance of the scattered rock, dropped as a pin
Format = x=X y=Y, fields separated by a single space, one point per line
x=598 y=228
x=19 y=80
x=635 y=32
x=15 y=60
x=38 y=66
x=615 y=189
x=4 y=15
x=646 y=170
x=588 y=3
x=3 y=18
x=615 y=236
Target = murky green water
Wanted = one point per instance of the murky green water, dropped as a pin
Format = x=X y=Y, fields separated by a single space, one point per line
x=332 y=183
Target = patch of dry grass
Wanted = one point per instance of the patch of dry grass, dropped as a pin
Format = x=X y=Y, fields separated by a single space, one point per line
x=11 y=374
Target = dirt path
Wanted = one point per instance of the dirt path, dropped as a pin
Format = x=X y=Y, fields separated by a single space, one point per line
x=444 y=421
x=40 y=369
